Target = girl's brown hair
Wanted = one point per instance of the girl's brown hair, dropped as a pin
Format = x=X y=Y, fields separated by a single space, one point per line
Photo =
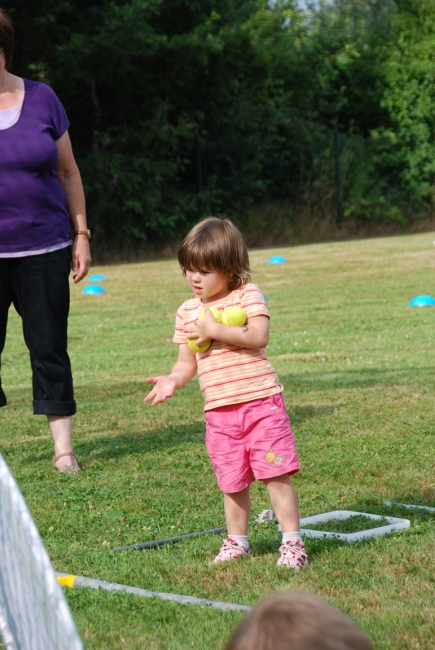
x=297 y=621
x=6 y=37
x=216 y=245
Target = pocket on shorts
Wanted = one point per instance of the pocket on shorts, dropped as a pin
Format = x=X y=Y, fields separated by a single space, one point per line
x=213 y=424
x=278 y=412
x=211 y=418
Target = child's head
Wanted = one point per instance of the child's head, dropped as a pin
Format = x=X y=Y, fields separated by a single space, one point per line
x=297 y=621
x=216 y=245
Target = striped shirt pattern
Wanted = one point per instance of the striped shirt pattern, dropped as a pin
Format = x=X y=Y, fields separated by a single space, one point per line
x=229 y=374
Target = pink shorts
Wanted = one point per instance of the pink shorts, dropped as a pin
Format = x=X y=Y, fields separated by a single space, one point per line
x=249 y=441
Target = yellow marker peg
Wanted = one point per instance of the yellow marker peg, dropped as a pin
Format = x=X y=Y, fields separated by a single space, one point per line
x=66 y=581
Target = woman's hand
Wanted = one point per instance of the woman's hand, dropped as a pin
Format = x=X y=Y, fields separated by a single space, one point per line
x=81 y=257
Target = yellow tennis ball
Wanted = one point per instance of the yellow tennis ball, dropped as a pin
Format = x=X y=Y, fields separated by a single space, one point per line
x=217 y=314
x=204 y=346
x=234 y=316
x=198 y=348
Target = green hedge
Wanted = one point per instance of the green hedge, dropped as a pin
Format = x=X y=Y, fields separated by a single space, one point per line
x=254 y=88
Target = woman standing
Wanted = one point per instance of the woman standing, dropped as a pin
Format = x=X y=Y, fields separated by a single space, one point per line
x=41 y=194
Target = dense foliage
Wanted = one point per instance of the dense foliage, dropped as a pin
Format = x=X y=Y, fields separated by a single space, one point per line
x=252 y=90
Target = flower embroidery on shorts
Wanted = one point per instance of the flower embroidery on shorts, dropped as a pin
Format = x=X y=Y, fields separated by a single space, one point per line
x=274 y=460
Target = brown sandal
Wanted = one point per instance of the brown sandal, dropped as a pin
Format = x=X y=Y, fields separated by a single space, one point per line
x=66 y=469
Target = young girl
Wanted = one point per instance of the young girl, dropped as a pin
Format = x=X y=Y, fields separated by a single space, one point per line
x=248 y=432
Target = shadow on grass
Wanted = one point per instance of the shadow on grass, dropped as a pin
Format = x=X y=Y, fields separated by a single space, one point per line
x=88 y=394
x=10 y=359
x=94 y=395
x=114 y=447
x=97 y=446
x=375 y=507
x=142 y=442
x=267 y=541
x=415 y=515
x=359 y=378
x=300 y=414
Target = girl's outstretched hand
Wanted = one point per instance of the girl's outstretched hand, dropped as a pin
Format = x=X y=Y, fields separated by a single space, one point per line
x=164 y=387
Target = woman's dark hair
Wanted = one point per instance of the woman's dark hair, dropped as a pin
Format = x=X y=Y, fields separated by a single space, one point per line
x=6 y=37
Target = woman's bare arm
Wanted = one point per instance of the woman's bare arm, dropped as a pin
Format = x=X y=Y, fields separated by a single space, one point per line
x=70 y=179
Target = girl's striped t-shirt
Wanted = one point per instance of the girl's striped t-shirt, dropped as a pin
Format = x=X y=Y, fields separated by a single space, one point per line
x=229 y=374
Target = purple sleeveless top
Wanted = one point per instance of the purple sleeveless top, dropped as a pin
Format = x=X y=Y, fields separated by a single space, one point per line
x=33 y=207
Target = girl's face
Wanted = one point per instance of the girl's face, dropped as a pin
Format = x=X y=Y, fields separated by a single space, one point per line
x=208 y=286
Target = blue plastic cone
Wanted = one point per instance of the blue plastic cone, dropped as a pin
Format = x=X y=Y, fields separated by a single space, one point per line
x=93 y=289
x=97 y=278
x=422 y=301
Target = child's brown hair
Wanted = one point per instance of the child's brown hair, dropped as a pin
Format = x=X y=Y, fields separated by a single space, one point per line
x=297 y=621
x=216 y=245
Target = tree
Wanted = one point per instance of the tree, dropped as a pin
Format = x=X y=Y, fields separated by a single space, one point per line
x=144 y=81
x=409 y=95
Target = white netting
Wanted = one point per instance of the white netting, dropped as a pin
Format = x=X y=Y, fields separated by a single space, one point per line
x=34 y=614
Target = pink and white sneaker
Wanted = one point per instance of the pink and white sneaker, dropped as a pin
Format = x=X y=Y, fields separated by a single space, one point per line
x=230 y=550
x=293 y=555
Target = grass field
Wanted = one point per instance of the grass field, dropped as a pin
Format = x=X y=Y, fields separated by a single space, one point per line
x=357 y=365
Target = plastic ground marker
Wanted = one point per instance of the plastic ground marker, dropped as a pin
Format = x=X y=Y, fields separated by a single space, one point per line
x=74 y=581
x=409 y=506
x=394 y=523
x=265 y=517
x=168 y=540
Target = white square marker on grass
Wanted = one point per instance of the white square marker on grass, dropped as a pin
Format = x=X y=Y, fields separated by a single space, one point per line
x=394 y=523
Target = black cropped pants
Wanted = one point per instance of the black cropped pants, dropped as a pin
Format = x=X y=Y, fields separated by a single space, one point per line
x=38 y=287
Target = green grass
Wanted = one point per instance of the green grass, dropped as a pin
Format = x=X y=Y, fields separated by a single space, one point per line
x=357 y=365
x=353 y=524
